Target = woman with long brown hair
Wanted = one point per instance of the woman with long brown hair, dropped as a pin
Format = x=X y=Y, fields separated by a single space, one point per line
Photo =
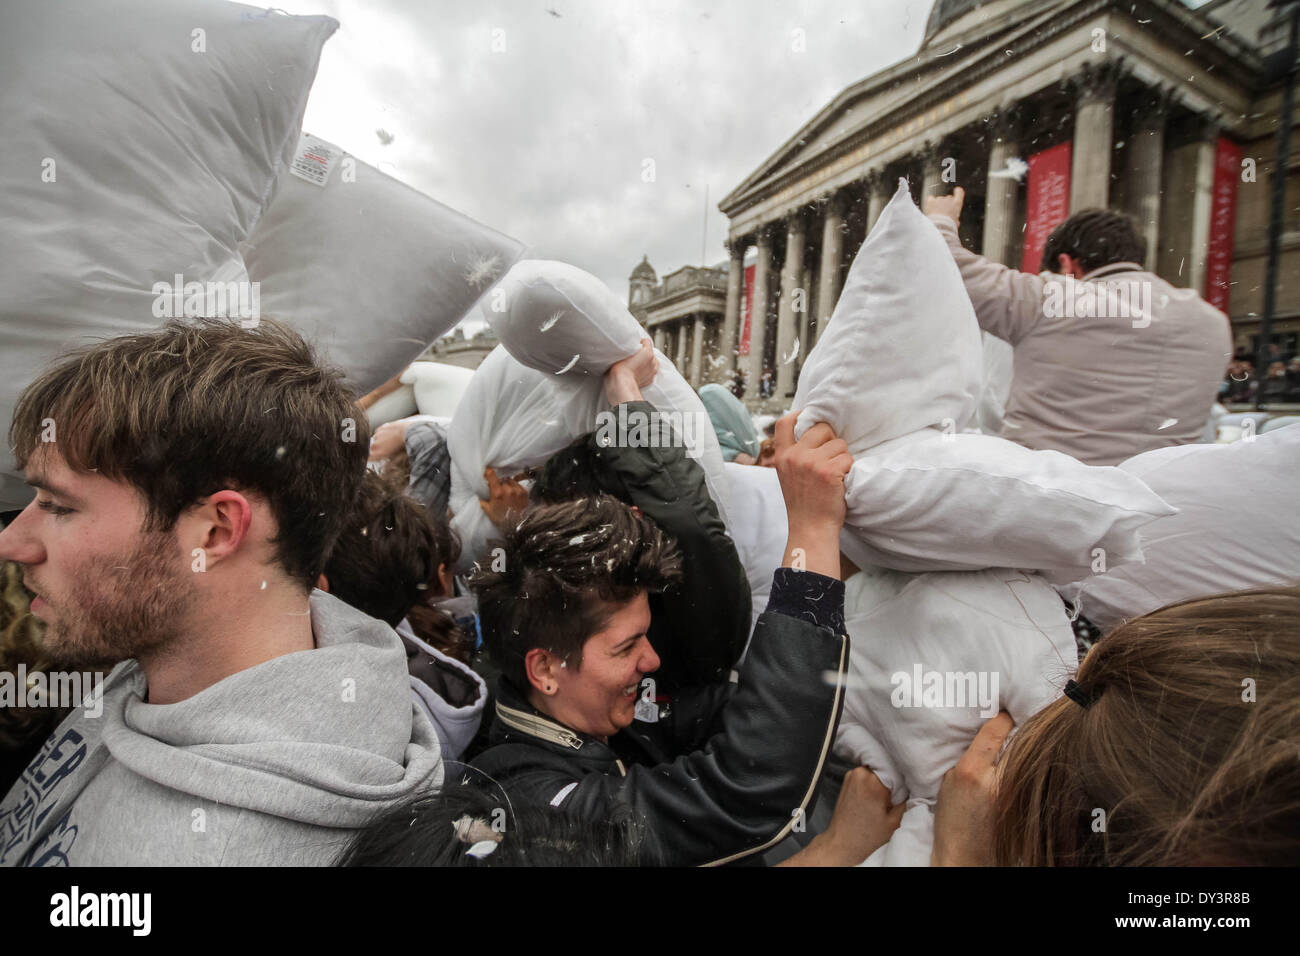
x=1177 y=744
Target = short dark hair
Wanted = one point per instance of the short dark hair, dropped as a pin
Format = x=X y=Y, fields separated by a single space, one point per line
x=386 y=557
x=194 y=407
x=439 y=829
x=562 y=572
x=575 y=471
x=1096 y=237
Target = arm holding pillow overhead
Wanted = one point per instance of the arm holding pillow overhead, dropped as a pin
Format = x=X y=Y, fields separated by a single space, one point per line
x=700 y=631
x=1008 y=302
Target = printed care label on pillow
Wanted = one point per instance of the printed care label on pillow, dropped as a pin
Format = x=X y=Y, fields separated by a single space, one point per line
x=314 y=159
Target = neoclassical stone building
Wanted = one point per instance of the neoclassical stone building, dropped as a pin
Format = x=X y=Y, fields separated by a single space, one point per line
x=683 y=313
x=1147 y=106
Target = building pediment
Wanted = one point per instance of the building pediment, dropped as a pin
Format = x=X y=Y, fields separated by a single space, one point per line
x=950 y=61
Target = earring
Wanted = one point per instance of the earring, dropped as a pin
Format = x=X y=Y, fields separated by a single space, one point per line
x=550 y=688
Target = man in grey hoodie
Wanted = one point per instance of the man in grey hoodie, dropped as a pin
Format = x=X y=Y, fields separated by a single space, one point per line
x=190 y=484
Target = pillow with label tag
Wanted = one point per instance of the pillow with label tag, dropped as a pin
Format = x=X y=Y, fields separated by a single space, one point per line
x=142 y=142
x=373 y=270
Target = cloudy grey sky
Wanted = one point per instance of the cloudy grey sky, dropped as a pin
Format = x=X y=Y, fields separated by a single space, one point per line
x=536 y=116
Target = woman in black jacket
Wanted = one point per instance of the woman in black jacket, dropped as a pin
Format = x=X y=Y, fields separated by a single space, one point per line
x=727 y=770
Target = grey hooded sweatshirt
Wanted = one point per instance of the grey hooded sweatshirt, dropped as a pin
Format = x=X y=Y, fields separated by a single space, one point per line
x=277 y=764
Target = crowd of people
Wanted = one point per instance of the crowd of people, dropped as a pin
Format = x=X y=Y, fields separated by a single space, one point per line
x=297 y=675
x=1280 y=384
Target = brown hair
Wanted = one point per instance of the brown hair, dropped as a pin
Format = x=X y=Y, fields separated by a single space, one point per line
x=195 y=407
x=1187 y=755
x=563 y=572
x=385 y=557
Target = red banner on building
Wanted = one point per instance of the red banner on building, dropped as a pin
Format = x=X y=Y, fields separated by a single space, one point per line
x=1048 y=201
x=1223 y=218
x=748 y=310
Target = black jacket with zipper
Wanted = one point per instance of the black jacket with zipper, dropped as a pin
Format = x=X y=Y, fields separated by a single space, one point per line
x=699 y=628
x=728 y=770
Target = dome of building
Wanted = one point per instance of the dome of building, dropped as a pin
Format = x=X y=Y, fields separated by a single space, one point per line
x=945 y=12
x=645 y=270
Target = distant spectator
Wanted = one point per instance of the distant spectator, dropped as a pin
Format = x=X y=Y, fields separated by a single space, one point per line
x=731 y=422
x=1275 y=386
x=1240 y=382
x=1293 y=380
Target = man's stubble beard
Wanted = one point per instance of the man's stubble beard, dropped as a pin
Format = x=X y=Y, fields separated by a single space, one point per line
x=123 y=607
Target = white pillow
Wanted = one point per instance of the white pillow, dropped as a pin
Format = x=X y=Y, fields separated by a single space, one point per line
x=1237 y=527
x=512 y=417
x=911 y=843
x=933 y=501
x=438 y=386
x=369 y=267
x=756 y=521
x=393 y=406
x=1006 y=629
x=556 y=318
x=142 y=140
x=903 y=349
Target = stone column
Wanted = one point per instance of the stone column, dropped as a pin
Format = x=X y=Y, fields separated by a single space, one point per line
x=758 y=315
x=878 y=195
x=1000 y=196
x=729 y=340
x=1146 y=167
x=1202 y=204
x=680 y=358
x=697 y=352
x=1094 y=121
x=828 y=272
x=932 y=183
x=792 y=296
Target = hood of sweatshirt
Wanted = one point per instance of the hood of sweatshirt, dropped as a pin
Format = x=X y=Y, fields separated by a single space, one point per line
x=327 y=737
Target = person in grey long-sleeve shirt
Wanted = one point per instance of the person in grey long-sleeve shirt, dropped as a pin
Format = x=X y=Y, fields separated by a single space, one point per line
x=1110 y=360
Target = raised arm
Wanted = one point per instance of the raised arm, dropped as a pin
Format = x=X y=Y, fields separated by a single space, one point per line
x=1008 y=303
x=752 y=781
x=700 y=629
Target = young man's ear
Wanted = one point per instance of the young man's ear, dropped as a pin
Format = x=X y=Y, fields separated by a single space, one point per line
x=446 y=580
x=1070 y=266
x=542 y=666
x=323 y=582
x=219 y=524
